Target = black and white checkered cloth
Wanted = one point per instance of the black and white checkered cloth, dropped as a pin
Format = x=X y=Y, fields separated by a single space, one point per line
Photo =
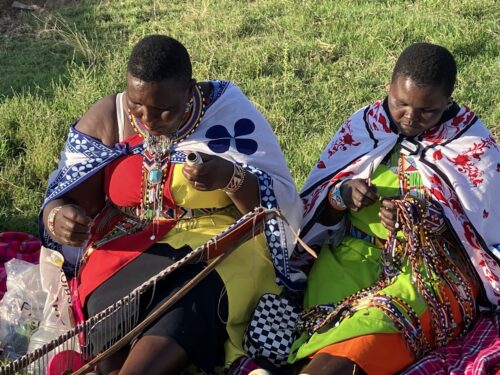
x=271 y=331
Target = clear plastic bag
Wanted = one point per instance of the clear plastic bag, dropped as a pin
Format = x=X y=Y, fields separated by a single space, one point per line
x=21 y=309
x=57 y=314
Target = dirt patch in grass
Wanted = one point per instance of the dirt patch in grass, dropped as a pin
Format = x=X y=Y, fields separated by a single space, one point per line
x=12 y=18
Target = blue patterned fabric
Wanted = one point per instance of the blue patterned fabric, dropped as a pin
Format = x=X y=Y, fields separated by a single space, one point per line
x=94 y=156
x=241 y=136
x=221 y=140
x=273 y=231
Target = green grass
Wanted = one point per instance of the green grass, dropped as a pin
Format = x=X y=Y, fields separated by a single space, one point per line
x=307 y=65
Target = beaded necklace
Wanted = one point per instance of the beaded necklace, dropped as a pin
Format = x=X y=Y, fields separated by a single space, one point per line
x=156 y=157
x=431 y=270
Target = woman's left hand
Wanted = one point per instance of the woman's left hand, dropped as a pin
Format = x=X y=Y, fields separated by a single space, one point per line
x=214 y=173
x=388 y=215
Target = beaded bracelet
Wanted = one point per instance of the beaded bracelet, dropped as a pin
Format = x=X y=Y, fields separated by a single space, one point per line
x=51 y=218
x=335 y=198
x=237 y=179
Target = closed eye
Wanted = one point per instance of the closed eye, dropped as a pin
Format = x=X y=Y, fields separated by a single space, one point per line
x=429 y=110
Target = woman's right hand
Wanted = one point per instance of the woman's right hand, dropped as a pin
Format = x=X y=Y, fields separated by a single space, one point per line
x=71 y=226
x=358 y=193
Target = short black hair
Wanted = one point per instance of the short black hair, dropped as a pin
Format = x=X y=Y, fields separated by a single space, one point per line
x=427 y=64
x=159 y=57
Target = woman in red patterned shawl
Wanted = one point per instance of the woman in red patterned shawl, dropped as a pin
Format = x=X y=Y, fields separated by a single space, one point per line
x=404 y=203
x=150 y=174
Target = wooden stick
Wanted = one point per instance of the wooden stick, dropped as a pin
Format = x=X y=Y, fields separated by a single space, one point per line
x=163 y=307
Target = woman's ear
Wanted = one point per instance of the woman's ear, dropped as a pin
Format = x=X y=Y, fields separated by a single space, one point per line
x=191 y=84
x=388 y=86
x=450 y=102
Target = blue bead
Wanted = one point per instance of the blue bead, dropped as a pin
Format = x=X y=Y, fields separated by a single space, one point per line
x=155 y=176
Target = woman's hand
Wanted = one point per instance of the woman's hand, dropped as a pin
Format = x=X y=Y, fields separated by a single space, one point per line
x=388 y=215
x=71 y=226
x=214 y=173
x=358 y=193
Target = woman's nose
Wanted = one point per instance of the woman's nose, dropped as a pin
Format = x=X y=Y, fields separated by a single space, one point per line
x=146 y=114
x=411 y=114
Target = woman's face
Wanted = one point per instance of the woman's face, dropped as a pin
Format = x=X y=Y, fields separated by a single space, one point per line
x=159 y=106
x=416 y=108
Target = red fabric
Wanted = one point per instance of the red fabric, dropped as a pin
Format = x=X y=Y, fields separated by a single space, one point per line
x=114 y=255
x=243 y=366
x=123 y=187
x=122 y=179
x=18 y=245
x=476 y=353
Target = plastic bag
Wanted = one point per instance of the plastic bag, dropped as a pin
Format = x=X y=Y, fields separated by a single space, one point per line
x=57 y=313
x=21 y=308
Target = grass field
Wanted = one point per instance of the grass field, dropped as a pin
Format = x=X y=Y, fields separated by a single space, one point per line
x=307 y=65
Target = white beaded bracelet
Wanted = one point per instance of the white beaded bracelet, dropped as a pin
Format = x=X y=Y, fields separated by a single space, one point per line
x=51 y=218
x=237 y=179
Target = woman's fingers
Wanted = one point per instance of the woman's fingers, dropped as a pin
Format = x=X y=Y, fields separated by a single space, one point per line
x=72 y=225
x=388 y=215
x=73 y=238
x=214 y=173
x=75 y=214
x=362 y=195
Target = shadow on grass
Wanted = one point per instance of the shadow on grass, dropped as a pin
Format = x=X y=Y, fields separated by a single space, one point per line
x=20 y=223
x=41 y=43
x=470 y=49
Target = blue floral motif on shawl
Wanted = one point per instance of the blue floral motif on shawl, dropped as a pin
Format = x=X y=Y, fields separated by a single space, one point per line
x=221 y=139
x=93 y=155
x=89 y=156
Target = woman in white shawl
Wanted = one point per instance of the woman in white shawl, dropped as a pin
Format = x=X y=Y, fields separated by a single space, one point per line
x=125 y=190
x=405 y=196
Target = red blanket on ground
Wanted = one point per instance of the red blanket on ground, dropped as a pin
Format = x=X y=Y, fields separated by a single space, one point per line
x=16 y=245
x=476 y=353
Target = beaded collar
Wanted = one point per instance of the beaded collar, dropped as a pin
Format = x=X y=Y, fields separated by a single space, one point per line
x=156 y=158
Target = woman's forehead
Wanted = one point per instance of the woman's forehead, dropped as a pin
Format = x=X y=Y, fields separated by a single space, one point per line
x=161 y=92
x=404 y=88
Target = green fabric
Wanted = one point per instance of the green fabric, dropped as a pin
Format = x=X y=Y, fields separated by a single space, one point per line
x=367 y=218
x=351 y=266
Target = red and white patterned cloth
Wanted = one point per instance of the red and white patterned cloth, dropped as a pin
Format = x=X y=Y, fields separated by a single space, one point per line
x=476 y=353
x=17 y=245
x=459 y=162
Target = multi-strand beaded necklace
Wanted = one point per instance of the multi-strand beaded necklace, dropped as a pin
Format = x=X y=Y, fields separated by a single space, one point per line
x=157 y=157
x=431 y=269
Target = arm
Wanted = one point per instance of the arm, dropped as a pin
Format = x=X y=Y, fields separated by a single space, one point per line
x=68 y=218
x=352 y=194
x=216 y=173
x=71 y=214
x=247 y=197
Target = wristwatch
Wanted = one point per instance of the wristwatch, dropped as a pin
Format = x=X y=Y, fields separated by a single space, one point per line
x=335 y=197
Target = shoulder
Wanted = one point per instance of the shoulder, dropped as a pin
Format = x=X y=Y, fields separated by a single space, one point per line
x=214 y=89
x=463 y=127
x=100 y=121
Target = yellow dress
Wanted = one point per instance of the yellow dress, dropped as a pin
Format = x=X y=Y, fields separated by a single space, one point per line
x=247 y=273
